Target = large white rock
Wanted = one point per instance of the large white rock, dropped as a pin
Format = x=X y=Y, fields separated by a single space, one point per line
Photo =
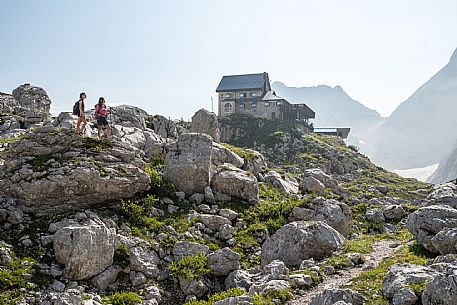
x=336 y=214
x=206 y=122
x=301 y=240
x=427 y=223
x=85 y=250
x=236 y=183
x=188 y=163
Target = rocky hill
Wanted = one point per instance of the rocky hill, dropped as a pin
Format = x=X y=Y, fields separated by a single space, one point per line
x=162 y=213
x=421 y=131
x=447 y=168
x=334 y=108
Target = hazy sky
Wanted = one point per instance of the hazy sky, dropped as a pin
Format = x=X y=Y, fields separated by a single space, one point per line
x=168 y=56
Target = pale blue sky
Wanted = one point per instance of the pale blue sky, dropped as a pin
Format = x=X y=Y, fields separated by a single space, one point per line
x=167 y=57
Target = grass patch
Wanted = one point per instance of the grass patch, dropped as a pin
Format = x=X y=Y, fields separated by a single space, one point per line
x=122 y=256
x=233 y=292
x=122 y=298
x=247 y=154
x=190 y=266
x=273 y=297
x=9 y=140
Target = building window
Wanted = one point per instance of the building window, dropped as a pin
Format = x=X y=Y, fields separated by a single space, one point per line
x=243 y=95
x=242 y=106
x=228 y=95
x=267 y=104
x=228 y=107
x=254 y=105
x=253 y=94
x=279 y=103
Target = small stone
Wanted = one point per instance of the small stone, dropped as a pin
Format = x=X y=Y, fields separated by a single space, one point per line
x=58 y=286
x=172 y=209
x=181 y=195
x=229 y=214
x=167 y=200
x=204 y=208
x=137 y=278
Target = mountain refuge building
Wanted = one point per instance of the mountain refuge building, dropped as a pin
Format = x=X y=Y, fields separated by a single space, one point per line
x=251 y=94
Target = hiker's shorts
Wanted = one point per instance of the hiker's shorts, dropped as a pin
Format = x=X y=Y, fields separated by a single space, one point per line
x=101 y=121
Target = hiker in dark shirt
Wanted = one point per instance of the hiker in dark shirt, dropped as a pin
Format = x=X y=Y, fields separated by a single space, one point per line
x=101 y=111
x=81 y=115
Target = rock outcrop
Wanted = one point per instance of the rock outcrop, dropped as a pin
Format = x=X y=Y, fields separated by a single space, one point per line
x=435 y=227
x=52 y=169
x=336 y=214
x=85 y=250
x=195 y=162
x=301 y=240
x=188 y=163
x=206 y=122
x=235 y=182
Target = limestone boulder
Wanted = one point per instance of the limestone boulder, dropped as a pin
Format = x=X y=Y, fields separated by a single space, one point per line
x=256 y=164
x=188 y=163
x=144 y=260
x=206 y=122
x=235 y=182
x=7 y=103
x=239 y=279
x=404 y=275
x=427 y=223
x=336 y=214
x=34 y=104
x=84 y=250
x=441 y=290
x=221 y=155
x=164 y=127
x=289 y=186
x=312 y=185
x=443 y=194
x=223 y=261
x=301 y=240
x=51 y=170
x=322 y=177
x=128 y=116
x=334 y=295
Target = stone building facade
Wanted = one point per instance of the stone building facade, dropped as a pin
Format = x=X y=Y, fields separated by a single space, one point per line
x=251 y=94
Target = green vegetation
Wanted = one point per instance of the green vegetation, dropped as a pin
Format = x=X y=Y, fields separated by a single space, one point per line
x=369 y=283
x=122 y=298
x=273 y=297
x=96 y=145
x=122 y=256
x=258 y=130
x=9 y=140
x=241 y=152
x=190 y=266
x=233 y=292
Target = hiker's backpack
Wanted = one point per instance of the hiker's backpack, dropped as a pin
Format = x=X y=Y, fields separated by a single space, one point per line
x=96 y=111
x=76 y=108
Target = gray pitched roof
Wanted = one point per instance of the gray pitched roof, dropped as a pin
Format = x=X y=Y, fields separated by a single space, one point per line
x=243 y=82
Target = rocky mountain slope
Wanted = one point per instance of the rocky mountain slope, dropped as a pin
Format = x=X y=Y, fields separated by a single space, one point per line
x=447 y=168
x=334 y=108
x=266 y=216
x=421 y=131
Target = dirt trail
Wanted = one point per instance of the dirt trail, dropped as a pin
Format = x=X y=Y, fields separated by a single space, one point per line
x=381 y=250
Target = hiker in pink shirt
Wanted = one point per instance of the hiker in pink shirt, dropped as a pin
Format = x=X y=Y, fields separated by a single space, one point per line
x=101 y=111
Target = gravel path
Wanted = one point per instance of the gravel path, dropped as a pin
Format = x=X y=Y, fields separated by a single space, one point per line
x=381 y=250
